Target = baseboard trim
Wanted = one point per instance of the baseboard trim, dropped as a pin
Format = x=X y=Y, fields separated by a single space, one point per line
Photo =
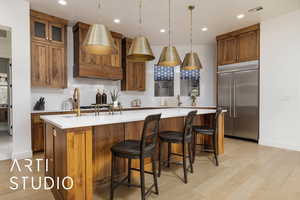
x=279 y=145
x=21 y=155
x=5 y=156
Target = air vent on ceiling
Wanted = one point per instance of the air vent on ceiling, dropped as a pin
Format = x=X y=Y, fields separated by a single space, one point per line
x=3 y=33
x=257 y=9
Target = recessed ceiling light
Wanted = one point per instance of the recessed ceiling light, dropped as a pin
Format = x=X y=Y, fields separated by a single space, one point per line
x=117 y=21
x=162 y=30
x=240 y=16
x=204 y=29
x=62 y=2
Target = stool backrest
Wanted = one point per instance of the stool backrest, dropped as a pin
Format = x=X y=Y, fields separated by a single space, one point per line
x=188 y=125
x=150 y=132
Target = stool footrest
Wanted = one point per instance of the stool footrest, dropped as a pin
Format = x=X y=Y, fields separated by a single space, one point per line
x=123 y=182
x=135 y=169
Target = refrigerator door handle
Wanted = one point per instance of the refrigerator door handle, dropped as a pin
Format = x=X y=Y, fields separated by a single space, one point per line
x=230 y=100
x=234 y=98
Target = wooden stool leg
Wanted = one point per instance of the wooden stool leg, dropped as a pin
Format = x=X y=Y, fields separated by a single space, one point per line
x=154 y=174
x=194 y=146
x=184 y=163
x=190 y=157
x=159 y=157
x=169 y=154
x=112 y=177
x=129 y=172
x=215 y=149
x=142 y=176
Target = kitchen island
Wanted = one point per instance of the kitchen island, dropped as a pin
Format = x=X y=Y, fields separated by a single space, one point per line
x=79 y=147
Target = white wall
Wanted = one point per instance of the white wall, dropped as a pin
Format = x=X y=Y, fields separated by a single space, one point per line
x=55 y=97
x=280 y=83
x=15 y=14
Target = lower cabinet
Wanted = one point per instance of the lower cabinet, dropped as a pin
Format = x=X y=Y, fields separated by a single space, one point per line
x=37 y=133
x=3 y=114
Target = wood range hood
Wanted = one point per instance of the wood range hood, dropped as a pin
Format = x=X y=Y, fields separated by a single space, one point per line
x=96 y=66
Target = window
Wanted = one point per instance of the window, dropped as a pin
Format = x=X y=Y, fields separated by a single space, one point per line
x=189 y=82
x=164 y=81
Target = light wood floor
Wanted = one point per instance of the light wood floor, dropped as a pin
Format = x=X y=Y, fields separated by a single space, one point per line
x=246 y=171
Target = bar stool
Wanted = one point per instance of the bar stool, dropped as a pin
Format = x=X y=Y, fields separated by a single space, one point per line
x=174 y=137
x=209 y=131
x=138 y=149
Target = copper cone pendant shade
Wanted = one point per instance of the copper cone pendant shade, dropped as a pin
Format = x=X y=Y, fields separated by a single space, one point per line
x=191 y=62
x=169 y=57
x=99 y=40
x=140 y=50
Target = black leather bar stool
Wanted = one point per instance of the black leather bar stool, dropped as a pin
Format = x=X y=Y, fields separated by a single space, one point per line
x=173 y=137
x=209 y=131
x=138 y=149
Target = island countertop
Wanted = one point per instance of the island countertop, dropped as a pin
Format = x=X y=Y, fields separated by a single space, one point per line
x=69 y=121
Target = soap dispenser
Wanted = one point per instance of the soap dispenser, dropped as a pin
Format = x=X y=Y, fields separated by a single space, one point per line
x=98 y=97
x=104 y=98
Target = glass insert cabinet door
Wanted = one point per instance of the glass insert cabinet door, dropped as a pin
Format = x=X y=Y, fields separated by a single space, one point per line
x=56 y=33
x=39 y=29
x=42 y=30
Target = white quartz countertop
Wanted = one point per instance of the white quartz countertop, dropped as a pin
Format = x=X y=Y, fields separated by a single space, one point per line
x=143 y=107
x=89 y=119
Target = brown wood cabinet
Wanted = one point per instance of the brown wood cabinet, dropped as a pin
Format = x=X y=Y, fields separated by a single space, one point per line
x=48 y=51
x=239 y=46
x=37 y=133
x=134 y=73
x=3 y=114
x=96 y=66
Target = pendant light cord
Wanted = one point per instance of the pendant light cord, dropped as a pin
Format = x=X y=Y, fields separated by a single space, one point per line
x=99 y=9
x=191 y=29
x=140 y=16
x=169 y=23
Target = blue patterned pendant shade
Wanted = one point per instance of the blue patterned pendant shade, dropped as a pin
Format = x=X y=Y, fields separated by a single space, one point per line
x=190 y=74
x=163 y=73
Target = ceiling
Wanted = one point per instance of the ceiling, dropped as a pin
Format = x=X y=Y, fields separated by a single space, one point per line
x=219 y=16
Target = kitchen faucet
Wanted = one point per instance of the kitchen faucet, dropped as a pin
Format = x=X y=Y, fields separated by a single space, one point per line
x=76 y=100
x=178 y=101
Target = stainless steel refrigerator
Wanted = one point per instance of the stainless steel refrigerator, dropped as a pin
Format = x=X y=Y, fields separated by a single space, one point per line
x=238 y=92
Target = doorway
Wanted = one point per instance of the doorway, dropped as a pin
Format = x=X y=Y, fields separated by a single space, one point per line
x=6 y=139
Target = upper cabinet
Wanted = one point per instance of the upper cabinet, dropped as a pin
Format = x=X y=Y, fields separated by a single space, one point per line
x=133 y=72
x=239 y=46
x=48 y=51
x=95 y=66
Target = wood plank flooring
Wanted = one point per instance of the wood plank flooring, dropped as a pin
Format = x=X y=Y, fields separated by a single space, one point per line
x=247 y=171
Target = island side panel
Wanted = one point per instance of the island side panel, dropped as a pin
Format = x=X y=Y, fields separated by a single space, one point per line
x=220 y=138
x=55 y=153
x=172 y=124
x=104 y=137
x=79 y=163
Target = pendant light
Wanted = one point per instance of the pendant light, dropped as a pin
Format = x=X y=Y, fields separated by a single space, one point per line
x=169 y=56
x=140 y=50
x=191 y=60
x=99 y=40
